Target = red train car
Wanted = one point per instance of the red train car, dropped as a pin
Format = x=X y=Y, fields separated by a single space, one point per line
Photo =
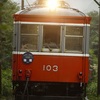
x=50 y=52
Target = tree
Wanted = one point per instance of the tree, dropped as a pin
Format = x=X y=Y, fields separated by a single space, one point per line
x=7 y=9
x=6 y=33
x=94 y=36
x=94 y=42
x=1 y=4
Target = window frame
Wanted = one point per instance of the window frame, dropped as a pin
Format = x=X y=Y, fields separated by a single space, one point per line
x=37 y=35
x=74 y=36
x=53 y=50
x=17 y=33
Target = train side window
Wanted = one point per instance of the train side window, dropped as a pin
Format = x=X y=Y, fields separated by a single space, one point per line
x=29 y=37
x=51 y=38
x=73 y=39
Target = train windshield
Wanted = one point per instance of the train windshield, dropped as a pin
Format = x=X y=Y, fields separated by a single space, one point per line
x=51 y=38
x=29 y=37
x=73 y=39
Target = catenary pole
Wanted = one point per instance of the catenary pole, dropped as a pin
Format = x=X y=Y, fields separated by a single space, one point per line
x=98 y=83
x=22 y=4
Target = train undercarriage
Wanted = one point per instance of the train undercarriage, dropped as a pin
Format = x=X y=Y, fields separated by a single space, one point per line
x=48 y=91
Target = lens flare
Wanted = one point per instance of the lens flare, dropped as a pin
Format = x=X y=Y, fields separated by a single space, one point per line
x=52 y=4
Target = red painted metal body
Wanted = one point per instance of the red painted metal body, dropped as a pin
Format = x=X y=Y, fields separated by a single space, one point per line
x=55 y=68
x=55 y=19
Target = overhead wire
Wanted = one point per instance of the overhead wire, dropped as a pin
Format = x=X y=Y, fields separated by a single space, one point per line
x=28 y=3
x=89 y=6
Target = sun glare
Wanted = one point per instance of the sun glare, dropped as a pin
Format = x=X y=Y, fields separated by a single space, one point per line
x=52 y=4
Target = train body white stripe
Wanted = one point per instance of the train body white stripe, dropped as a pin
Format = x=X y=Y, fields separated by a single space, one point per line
x=54 y=54
x=46 y=23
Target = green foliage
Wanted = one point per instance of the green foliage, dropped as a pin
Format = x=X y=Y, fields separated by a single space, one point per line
x=6 y=82
x=94 y=36
x=6 y=32
x=93 y=58
x=94 y=29
x=94 y=42
x=92 y=87
x=2 y=2
x=7 y=9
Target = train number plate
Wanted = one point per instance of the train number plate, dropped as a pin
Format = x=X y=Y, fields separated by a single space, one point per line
x=53 y=68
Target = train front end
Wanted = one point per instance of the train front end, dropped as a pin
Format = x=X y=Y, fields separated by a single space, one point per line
x=50 y=52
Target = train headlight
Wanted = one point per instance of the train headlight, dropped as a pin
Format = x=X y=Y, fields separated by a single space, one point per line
x=52 y=4
x=27 y=58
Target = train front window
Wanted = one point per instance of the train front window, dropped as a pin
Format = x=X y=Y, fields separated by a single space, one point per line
x=29 y=37
x=51 y=38
x=73 y=39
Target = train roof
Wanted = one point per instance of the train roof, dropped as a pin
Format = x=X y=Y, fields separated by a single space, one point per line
x=46 y=11
x=39 y=10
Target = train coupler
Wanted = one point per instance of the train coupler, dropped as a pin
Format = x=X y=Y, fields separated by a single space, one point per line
x=28 y=73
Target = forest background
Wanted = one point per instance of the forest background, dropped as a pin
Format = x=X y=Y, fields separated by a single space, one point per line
x=7 y=9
